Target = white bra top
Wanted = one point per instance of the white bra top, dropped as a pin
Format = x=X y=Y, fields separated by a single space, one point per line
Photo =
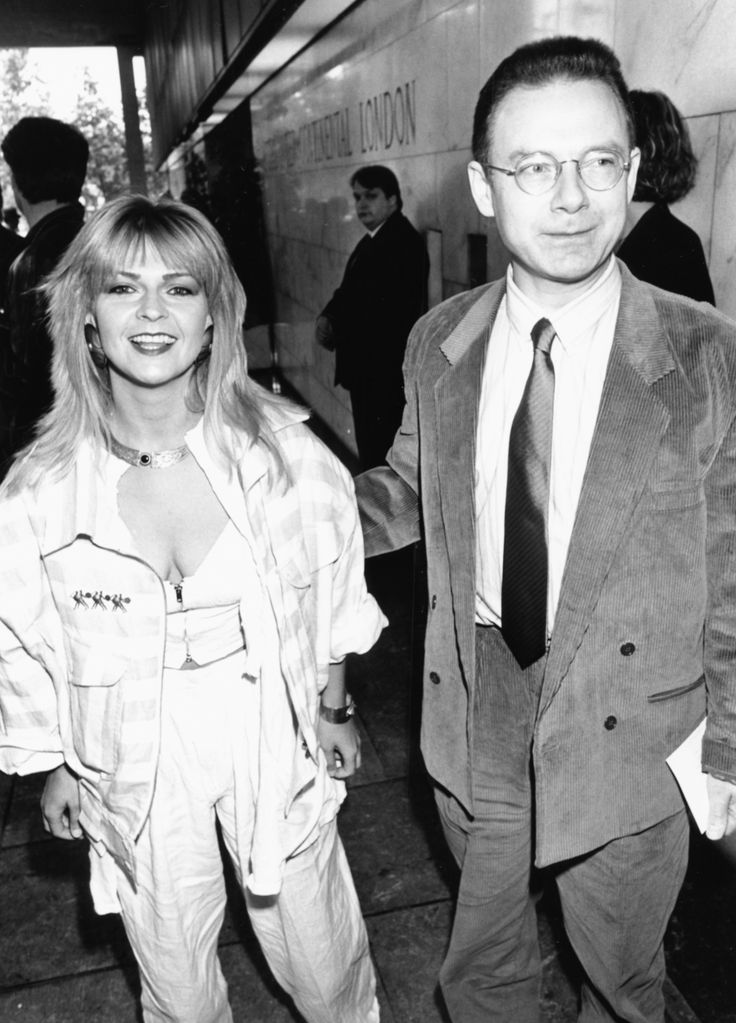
x=203 y=610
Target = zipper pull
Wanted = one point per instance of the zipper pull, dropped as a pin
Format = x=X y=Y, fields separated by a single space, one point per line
x=180 y=600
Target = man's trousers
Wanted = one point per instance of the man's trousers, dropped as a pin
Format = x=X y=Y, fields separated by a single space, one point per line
x=616 y=901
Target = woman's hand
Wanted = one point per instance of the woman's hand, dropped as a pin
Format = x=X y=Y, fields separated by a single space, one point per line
x=60 y=804
x=341 y=745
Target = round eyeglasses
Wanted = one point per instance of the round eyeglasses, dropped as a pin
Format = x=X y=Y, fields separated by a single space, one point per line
x=599 y=169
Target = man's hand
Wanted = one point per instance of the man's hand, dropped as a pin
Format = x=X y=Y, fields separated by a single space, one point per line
x=341 y=745
x=722 y=816
x=60 y=804
x=324 y=334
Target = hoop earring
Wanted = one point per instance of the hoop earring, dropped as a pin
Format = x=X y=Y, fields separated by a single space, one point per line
x=98 y=356
x=203 y=356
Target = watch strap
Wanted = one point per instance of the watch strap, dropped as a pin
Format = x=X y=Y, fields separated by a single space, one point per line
x=337 y=715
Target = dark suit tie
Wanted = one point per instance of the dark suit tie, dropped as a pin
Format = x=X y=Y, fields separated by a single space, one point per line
x=525 y=559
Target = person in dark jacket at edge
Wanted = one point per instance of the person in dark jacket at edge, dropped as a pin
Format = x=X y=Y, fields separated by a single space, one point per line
x=10 y=245
x=48 y=163
x=368 y=319
x=658 y=247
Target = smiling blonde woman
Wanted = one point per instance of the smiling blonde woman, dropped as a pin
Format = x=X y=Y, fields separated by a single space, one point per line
x=181 y=581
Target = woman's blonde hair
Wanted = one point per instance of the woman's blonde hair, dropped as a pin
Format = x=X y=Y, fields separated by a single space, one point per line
x=233 y=406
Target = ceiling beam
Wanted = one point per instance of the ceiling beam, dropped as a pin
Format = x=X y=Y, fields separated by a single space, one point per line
x=73 y=23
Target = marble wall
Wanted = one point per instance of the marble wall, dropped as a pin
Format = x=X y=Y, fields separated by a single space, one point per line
x=395 y=83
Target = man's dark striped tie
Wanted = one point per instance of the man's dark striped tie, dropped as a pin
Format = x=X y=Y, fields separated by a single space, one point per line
x=525 y=556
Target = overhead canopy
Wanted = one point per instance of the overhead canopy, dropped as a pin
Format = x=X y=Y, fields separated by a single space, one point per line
x=72 y=23
x=203 y=57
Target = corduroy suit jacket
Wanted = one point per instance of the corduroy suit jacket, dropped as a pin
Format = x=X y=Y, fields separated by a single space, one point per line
x=645 y=629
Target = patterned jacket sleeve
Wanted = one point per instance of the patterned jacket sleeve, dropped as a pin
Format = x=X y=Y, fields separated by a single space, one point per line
x=344 y=618
x=357 y=620
x=30 y=647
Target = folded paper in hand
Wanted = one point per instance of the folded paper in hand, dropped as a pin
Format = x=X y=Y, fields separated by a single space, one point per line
x=685 y=764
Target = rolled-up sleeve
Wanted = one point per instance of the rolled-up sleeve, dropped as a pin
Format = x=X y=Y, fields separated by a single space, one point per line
x=343 y=617
x=357 y=620
x=29 y=728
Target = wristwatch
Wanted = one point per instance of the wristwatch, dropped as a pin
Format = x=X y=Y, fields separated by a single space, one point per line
x=338 y=715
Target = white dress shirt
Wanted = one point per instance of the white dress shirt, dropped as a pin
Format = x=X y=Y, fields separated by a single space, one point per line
x=580 y=352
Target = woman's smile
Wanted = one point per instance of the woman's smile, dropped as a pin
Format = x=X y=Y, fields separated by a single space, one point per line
x=152 y=344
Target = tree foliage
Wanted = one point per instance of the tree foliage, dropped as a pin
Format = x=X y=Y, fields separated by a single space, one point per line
x=107 y=171
x=22 y=94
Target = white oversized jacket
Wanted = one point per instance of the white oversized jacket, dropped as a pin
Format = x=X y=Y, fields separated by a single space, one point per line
x=82 y=632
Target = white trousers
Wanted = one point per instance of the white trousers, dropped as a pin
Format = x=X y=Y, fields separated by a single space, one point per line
x=312 y=933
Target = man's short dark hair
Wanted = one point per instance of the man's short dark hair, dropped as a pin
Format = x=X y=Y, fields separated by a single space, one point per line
x=375 y=176
x=540 y=63
x=48 y=159
x=668 y=165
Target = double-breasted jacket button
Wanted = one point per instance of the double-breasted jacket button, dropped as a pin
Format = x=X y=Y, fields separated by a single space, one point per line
x=434 y=678
x=627 y=649
x=610 y=723
x=434 y=601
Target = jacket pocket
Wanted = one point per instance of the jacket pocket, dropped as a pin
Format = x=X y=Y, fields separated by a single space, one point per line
x=671 y=694
x=96 y=707
x=676 y=496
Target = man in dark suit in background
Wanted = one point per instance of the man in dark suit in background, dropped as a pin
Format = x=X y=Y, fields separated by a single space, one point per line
x=568 y=454
x=368 y=319
x=48 y=164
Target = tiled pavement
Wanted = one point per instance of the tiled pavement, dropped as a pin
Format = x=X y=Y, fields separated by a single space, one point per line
x=59 y=963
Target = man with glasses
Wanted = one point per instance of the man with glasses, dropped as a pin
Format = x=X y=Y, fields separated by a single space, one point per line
x=568 y=453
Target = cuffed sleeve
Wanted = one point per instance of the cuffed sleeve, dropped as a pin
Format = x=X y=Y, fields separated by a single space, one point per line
x=357 y=620
x=29 y=727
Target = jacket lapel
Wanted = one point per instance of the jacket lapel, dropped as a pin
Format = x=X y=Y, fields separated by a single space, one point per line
x=456 y=400
x=627 y=437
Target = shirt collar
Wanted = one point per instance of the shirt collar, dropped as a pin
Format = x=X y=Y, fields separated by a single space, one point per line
x=574 y=321
x=375 y=231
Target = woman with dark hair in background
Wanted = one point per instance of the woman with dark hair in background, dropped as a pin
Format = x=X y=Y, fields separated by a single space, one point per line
x=181 y=580
x=658 y=247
